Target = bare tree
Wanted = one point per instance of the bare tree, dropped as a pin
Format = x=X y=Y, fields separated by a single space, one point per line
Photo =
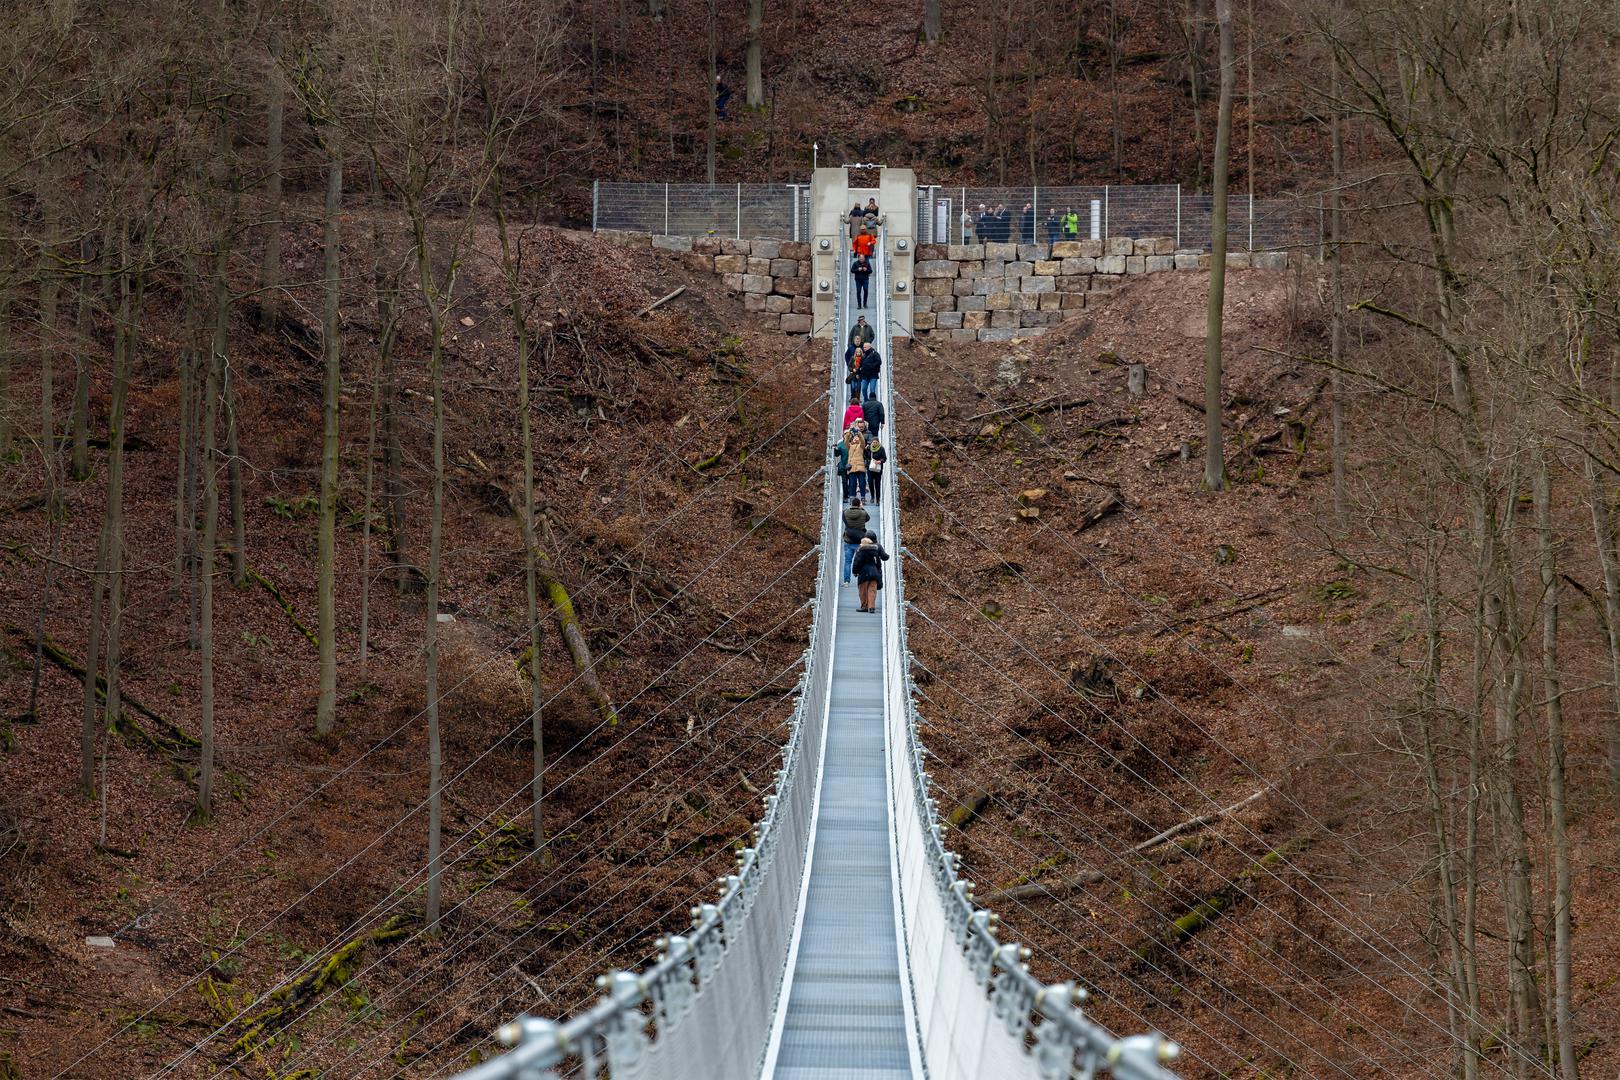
x=933 y=21
x=755 y=91
x=1214 y=458
x=332 y=391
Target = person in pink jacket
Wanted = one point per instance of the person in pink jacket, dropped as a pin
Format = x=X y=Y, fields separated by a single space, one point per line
x=853 y=412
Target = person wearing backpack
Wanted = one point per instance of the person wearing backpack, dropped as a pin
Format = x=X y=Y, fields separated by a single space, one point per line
x=867 y=566
x=855 y=519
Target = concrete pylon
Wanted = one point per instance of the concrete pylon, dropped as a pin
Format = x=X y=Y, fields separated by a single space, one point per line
x=897 y=195
x=830 y=201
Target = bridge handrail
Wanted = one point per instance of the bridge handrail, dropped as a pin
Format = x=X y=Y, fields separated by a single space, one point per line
x=1064 y=1038
x=647 y=1018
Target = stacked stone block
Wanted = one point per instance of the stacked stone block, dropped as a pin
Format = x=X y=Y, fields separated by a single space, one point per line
x=961 y=292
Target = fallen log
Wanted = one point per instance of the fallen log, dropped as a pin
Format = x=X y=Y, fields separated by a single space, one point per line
x=1215 y=904
x=1109 y=504
x=291 y=1000
x=968 y=810
x=660 y=302
x=282 y=602
x=1093 y=877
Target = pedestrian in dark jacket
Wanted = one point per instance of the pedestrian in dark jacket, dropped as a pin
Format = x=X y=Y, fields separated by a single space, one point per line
x=1054 y=227
x=867 y=567
x=1003 y=225
x=860 y=272
x=866 y=376
x=877 y=459
x=861 y=331
x=984 y=225
x=1026 y=225
x=872 y=410
x=855 y=519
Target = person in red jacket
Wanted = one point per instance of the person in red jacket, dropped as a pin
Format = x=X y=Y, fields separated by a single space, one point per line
x=853 y=412
x=865 y=243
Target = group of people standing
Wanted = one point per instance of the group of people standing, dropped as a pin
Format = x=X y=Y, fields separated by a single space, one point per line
x=860 y=460
x=996 y=226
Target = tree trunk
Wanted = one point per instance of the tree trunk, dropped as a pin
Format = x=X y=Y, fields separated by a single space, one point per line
x=205 y=618
x=50 y=290
x=366 y=501
x=714 y=87
x=1609 y=564
x=326 y=543
x=1214 y=458
x=1117 y=136
x=233 y=452
x=7 y=435
x=276 y=113
x=756 y=79
x=1557 y=801
x=184 y=525
x=424 y=271
x=520 y=328
x=123 y=349
x=386 y=283
x=79 y=463
x=1336 y=272
x=933 y=21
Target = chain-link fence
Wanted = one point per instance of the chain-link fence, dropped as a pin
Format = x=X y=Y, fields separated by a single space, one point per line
x=960 y=215
x=1042 y=215
x=744 y=211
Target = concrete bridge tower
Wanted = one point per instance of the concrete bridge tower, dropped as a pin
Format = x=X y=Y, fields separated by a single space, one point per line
x=830 y=200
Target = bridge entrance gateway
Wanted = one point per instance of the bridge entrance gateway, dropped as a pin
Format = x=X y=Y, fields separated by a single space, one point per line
x=845 y=947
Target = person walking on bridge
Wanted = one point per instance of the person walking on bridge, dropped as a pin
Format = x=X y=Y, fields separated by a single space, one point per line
x=855 y=519
x=853 y=411
x=867 y=567
x=866 y=375
x=872 y=411
x=861 y=331
x=860 y=272
x=876 y=459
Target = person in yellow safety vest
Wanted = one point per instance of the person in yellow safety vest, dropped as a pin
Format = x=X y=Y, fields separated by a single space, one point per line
x=1071 y=224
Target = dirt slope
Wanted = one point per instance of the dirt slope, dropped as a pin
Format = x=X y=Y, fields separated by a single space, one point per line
x=689 y=583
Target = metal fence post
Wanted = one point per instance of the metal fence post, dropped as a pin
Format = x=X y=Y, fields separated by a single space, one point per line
x=965 y=210
x=596 y=201
x=1105 y=212
x=794 y=188
x=739 y=211
x=666 y=209
x=1035 y=215
x=1178 y=217
x=1251 y=221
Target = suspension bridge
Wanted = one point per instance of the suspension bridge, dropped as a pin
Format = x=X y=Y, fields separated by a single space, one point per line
x=845 y=946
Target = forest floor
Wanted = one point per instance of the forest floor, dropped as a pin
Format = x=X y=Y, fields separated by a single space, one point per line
x=1143 y=653
x=1139 y=654
x=690 y=579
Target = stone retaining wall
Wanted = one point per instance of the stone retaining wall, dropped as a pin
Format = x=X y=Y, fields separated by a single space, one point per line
x=996 y=292
x=962 y=292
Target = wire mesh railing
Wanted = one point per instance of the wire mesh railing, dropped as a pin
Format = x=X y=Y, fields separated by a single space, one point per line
x=979 y=1012
x=740 y=211
x=1046 y=215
